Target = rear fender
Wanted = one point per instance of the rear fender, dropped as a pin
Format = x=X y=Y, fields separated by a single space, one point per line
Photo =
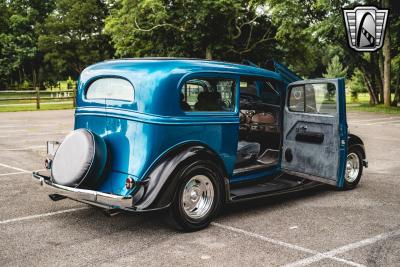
x=161 y=185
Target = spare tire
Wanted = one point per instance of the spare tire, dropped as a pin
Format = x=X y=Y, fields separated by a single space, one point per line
x=80 y=160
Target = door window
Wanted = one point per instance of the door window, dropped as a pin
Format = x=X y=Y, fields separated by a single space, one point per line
x=318 y=98
x=208 y=94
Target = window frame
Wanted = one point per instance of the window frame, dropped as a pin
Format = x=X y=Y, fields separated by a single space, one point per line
x=90 y=83
x=303 y=85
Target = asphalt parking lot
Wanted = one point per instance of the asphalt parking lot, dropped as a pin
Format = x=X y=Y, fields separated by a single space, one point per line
x=322 y=227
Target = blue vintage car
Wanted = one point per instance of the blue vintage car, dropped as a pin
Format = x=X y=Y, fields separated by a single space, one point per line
x=189 y=135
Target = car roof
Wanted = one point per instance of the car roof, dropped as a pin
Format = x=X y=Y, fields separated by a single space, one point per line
x=157 y=80
x=182 y=65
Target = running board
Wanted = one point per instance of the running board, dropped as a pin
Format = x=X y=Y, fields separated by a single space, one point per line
x=270 y=188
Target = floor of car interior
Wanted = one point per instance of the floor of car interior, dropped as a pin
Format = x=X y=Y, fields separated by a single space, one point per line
x=262 y=188
x=267 y=159
x=270 y=156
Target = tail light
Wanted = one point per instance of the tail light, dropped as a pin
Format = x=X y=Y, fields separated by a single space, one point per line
x=129 y=183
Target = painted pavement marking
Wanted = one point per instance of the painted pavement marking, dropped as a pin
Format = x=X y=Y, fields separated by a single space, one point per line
x=41 y=215
x=284 y=244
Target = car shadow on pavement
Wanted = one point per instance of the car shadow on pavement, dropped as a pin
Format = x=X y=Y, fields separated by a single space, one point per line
x=96 y=219
x=272 y=202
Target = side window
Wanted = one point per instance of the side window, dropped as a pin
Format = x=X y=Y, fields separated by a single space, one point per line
x=262 y=90
x=208 y=94
x=317 y=98
x=248 y=87
x=110 y=88
x=269 y=93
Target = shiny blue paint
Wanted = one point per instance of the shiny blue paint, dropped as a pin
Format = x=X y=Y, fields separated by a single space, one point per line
x=139 y=133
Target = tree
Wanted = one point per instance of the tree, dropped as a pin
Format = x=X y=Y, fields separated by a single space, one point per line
x=321 y=22
x=223 y=29
x=356 y=84
x=335 y=69
x=72 y=36
x=386 y=63
x=19 y=57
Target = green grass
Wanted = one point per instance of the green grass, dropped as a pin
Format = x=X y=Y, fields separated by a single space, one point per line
x=33 y=107
x=366 y=107
x=362 y=98
x=362 y=104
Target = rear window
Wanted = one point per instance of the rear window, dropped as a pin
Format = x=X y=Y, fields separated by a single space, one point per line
x=111 y=88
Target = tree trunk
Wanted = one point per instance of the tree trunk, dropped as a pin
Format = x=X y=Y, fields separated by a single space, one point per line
x=208 y=53
x=34 y=78
x=376 y=72
x=381 y=75
x=373 y=95
x=373 y=99
x=386 y=63
x=397 y=92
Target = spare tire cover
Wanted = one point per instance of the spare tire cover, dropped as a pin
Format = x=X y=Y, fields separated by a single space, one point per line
x=80 y=160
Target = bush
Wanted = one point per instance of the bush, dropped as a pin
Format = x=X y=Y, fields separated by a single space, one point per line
x=70 y=83
x=356 y=85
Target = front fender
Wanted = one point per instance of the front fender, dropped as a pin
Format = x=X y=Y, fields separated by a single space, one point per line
x=160 y=189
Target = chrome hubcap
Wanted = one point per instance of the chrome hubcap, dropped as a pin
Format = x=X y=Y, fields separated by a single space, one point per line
x=198 y=196
x=352 y=167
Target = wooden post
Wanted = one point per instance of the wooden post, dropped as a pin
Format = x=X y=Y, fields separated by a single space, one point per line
x=37 y=98
x=74 y=88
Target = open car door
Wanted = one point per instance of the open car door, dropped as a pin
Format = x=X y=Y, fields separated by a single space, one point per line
x=315 y=130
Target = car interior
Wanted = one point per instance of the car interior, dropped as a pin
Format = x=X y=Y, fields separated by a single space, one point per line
x=207 y=95
x=259 y=129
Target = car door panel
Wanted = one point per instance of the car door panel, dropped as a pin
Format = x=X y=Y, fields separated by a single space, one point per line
x=312 y=141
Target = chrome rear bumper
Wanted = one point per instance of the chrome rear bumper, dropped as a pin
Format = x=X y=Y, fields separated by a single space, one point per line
x=100 y=199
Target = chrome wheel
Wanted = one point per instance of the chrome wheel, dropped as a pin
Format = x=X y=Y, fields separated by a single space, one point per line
x=352 y=167
x=198 y=196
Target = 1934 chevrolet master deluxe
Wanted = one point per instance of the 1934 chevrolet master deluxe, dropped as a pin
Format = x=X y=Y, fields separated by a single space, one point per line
x=190 y=135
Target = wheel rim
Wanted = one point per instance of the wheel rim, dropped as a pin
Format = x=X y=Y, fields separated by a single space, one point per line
x=352 y=167
x=198 y=196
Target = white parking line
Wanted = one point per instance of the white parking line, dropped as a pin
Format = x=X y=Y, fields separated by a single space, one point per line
x=14 y=168
x=41 y=215
x=370 y=120
x=284 y=244
x=362 y=243
x=11 y=173
x=382 y=122
x=23 y=148
x=33 y=134
x=36 y=126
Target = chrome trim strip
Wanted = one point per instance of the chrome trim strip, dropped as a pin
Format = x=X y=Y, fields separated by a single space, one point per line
x=87 y=196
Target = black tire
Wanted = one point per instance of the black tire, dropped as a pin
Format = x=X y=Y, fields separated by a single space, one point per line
x=177 y=216
x=349 y=183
